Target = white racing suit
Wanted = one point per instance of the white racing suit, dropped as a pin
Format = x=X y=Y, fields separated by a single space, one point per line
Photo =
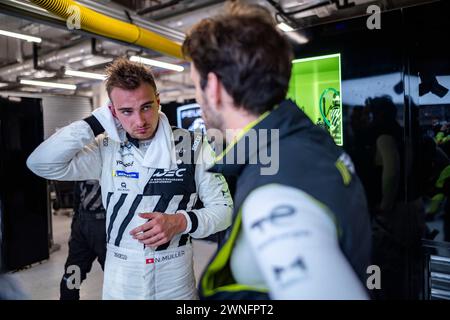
x=164 y=179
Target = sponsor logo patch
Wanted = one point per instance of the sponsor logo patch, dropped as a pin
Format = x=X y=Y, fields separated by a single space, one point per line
x=197 y=141
x=125 y=149
x=288 y=274
x=120 y=256
x=125 y=164
x=276 y=217
x=124 y=174
x=123 y=187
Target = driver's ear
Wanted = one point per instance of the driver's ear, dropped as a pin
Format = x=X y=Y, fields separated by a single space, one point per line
x=113 y=111
x=157 y=99
x=212 y=90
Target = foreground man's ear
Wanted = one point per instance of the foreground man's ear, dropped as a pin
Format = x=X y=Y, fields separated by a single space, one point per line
x=213 y=90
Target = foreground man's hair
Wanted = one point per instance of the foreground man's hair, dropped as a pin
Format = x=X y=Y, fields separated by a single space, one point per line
x=248 y=54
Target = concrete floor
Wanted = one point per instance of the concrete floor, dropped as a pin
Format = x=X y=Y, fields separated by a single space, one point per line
x=41 y=281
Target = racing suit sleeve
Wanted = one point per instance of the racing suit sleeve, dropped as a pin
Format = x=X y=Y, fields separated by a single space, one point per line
x=72 y=153
x=295 y=243
x=213 y=191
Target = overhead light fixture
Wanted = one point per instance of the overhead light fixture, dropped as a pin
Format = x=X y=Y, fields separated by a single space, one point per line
x=31 y=89
x=33 y=7
x=15 y=99
x=20 y=36
x=76 y=59
x=40 y=74
x=297 y=37
x=95 y=60
x=82 y=74
x=285 y=27
x=49 y=84
x=2 y=84
x=157 y=63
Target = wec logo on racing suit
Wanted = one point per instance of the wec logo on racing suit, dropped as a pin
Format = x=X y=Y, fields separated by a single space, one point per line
x=167 y=176
x=170 y=173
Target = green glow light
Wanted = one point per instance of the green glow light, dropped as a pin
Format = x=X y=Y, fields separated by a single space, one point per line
x=315 y=86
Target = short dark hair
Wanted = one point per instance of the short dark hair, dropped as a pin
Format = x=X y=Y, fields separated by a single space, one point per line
x=248 y=54
x=128 y=75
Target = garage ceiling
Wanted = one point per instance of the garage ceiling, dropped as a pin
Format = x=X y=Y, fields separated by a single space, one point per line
x=61 y=48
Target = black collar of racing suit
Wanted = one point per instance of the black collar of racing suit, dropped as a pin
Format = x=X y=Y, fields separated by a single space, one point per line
x=133 y=141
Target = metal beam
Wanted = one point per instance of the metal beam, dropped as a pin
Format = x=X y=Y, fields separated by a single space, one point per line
x=158 y=7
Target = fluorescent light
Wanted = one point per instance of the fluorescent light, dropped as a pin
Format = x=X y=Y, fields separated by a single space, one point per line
x=15 y=99
x=20 y=36
x=95 y=60
x=157 y=63
x=29 y=5
x=31 y=89
x=49 y=84
x=83 y=74
x=2 y=84
x=296 y=37
x=285 y=27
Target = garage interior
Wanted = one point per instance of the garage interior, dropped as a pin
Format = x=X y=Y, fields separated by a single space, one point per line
x=405 y=59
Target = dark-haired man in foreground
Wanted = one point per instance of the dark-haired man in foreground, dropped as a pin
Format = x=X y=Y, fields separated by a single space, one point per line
x=301 y=228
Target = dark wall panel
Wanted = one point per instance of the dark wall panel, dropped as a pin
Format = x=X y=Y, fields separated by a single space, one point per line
x=23 y=195
x=395 y=102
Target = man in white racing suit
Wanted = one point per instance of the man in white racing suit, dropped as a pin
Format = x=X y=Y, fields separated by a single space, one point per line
x=152 y=178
